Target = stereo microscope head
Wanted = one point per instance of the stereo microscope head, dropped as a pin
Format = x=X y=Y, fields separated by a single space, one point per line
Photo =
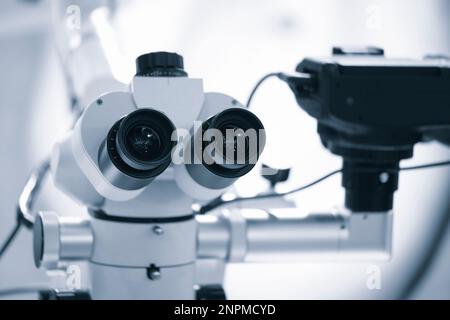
x=126 y=140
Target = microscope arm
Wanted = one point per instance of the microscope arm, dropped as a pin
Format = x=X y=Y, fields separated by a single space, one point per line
x=232 y=237
x=87 y=47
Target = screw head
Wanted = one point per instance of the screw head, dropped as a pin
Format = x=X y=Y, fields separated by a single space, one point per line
x=158 y=230
x=384 y=177
x=153 y=272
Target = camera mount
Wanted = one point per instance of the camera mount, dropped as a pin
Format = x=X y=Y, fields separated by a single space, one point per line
x=371 y=111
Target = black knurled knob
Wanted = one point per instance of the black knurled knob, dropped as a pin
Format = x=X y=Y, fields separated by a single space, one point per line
x=160 y=64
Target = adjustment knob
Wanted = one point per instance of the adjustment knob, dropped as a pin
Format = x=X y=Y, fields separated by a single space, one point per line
x=46 y=227
x=160 y=64
x=57 y=239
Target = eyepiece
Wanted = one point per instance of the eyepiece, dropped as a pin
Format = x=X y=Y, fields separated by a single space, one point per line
x=243 y=140
x=137 y=149
x=143 y=139
x=228 y=145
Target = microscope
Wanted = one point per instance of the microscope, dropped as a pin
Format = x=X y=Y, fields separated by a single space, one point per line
x=137 y=161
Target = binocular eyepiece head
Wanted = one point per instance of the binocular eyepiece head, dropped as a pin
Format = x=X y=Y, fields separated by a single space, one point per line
x=139 y=146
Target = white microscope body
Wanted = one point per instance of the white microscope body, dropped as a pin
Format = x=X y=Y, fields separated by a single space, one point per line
x=141 y=239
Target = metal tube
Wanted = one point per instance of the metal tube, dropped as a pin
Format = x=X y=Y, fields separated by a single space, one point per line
x=76 y=238
x=291 y=239
x=213 y=237
x=233 y=237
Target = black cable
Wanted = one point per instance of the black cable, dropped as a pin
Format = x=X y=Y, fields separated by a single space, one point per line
x=427 y=165
x=258 y=84
x=24 y=212
x=10 y=238
x=219 y=202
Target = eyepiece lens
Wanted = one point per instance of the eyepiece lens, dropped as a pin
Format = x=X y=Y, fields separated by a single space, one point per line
x=230 y=153
x=242 y=139
x=234 y=136
x=139 y=145
x=144 y=142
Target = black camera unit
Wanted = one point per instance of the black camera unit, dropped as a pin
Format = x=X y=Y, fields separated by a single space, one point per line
x=371 y=110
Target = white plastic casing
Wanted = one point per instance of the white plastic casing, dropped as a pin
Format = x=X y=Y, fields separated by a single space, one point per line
x=181 y=99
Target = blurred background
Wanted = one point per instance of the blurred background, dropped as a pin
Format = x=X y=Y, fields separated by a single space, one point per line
x=230 y=44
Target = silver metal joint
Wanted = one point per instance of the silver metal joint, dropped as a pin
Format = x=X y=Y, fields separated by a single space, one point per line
x=58 y=239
